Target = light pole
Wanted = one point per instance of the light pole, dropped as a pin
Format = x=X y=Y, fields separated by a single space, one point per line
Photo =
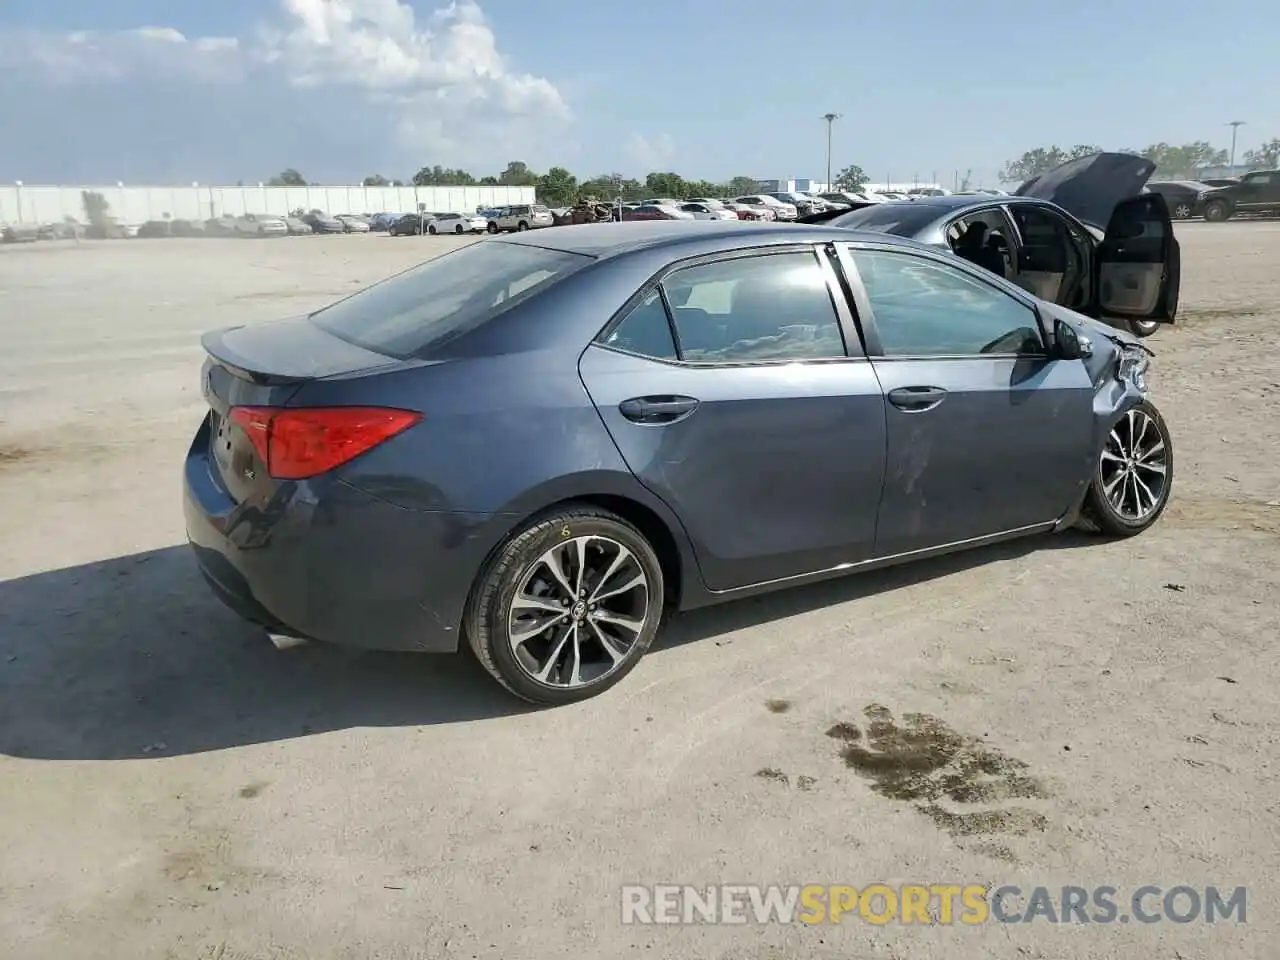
x=831 y=118
x=1235 y=126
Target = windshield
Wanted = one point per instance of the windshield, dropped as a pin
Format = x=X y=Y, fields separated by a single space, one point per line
x=902 y=218
x=445 y=297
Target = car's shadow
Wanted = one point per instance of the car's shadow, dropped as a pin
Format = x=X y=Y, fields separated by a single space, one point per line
x=133 y=657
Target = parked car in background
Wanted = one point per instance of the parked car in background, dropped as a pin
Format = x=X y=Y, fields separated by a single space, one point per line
x=221 y=226
x=849 y=199
x=656 y=211
x=518 y=217
x=746 y=211
x=804 y=205
x=409 y=225
x=704 y=211
x=261 y=225
x=1221 y=181
x=323 y=223
x=1185 y=198
x=1084 y=236
x=381 y=222
x=781 y=211
x=297 y=226
x=352 y=223
x=155 y=228
x=457 y=223
x=1257 y=192
x=189 y=228
x=363 y=476
x=19 y=232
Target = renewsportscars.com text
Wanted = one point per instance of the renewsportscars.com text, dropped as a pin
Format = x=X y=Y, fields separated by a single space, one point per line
x=929 y=904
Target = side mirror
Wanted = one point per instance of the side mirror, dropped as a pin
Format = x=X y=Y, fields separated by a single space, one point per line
x=1070 y=343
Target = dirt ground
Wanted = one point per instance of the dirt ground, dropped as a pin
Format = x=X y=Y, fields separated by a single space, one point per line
x=172 y=786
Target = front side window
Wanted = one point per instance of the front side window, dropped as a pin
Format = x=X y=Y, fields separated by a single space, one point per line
x=923 y=308
x=759 y=308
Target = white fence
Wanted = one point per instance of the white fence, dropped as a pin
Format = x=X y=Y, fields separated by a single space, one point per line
x=48 y=204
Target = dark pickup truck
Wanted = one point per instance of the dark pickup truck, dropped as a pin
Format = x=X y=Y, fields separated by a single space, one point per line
x=1257 y=192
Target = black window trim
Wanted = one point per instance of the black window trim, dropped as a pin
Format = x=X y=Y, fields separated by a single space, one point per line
x=845 y=319
x=866 y=315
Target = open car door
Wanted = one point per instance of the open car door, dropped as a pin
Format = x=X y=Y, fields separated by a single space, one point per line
x=1137 y=270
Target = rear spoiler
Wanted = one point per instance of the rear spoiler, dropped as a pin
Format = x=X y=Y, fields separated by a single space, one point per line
x=827 y=215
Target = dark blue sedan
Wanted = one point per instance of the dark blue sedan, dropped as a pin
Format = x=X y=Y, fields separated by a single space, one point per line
x=534 y=445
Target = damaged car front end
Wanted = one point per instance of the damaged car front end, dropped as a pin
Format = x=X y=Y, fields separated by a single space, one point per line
x=1133 y=470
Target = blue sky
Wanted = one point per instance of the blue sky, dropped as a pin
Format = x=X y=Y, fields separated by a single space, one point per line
x=171 y=91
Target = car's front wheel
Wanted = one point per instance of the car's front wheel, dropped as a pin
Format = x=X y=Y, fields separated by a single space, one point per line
x=567 y=607
x=493 y=227
x=1215 y=211
x=1182 y=211
x=1143 y=328
x=1133 y=474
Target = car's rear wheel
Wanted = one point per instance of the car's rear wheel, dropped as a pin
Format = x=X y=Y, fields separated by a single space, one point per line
x=1215 y=211
x=1133 y=475
x=1182 y=211
x=1143 y=328
x=522 y=226
x=493 y=228
x=567 y=607
x=431 y=230
x=458 y=229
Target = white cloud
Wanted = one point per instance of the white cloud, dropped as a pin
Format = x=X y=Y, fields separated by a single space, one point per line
x=651 y=154
x=440 y=83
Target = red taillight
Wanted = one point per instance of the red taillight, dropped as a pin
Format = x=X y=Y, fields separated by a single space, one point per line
x=300 y=442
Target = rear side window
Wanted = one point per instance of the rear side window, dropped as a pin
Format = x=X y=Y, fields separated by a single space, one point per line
x=646 y=330
x=446 y=297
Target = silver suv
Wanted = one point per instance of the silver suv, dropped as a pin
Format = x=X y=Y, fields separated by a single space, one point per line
x=521 y=216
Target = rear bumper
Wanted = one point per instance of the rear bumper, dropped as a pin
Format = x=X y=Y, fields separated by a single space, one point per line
x=331 y=563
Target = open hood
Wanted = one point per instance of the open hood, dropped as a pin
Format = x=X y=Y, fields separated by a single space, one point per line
x=1090 y=188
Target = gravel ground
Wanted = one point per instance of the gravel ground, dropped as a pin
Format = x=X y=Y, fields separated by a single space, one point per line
x=172 y=786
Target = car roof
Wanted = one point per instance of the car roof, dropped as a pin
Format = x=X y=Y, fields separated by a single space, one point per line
x=606 y=240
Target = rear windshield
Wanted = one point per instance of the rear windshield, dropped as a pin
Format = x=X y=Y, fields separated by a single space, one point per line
x=901 y=218
x=446 y=297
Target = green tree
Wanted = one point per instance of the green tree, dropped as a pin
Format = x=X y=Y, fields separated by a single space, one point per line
x=439 y=176
x=665 y=185
x=1042 y=160
x=96 y=209
x=287 y=178
x=557 y=187
x=376 y=180
x=741 y=186
x=518 y=174
x=1266 y=157
x=851 y=178
x=1186 y=161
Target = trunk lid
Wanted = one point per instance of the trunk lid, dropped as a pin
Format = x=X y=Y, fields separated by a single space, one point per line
x=265 y=365
x=1091 y=187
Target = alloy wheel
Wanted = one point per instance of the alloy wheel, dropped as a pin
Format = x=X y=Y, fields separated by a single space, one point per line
x=578 y=611
x=1182 y=211
x=1135 y=465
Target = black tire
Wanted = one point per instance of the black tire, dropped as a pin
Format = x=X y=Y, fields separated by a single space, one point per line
x=1181 y=210
x=1216 y=211
x=493 y=227
x=458 y=229
x=522 y=226
x=432 y=229
x=495 y=589
x=1143 y=328
x=1098 y=514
